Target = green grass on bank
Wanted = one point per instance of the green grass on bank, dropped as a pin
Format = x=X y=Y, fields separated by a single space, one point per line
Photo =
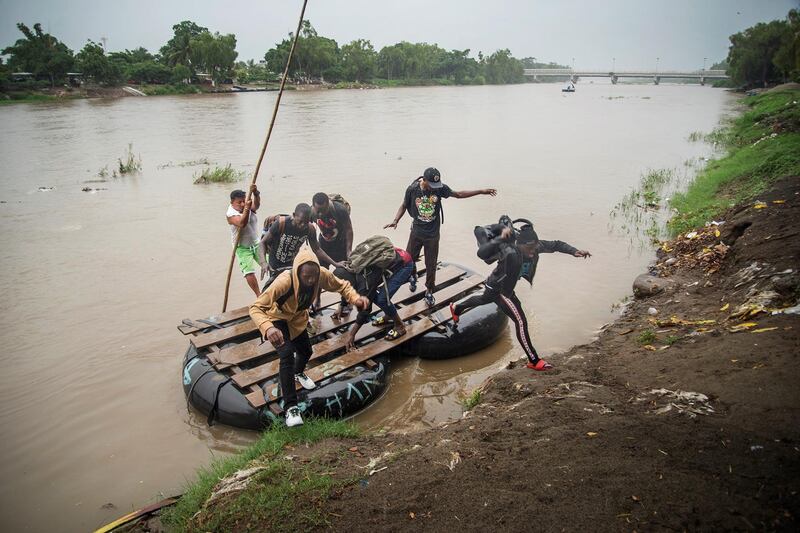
x=762 y=145
x=285 y=491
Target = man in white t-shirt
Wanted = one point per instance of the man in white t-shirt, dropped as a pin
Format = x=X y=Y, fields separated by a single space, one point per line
x=242 y=214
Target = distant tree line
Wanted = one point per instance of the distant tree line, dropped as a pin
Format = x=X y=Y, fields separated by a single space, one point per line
x=319 y=57
x=766 y=53
x=193 y=50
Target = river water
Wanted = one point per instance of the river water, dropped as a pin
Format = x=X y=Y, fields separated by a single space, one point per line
x=93 y=283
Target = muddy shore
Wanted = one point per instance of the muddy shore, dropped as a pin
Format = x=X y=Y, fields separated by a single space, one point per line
x=682 y=419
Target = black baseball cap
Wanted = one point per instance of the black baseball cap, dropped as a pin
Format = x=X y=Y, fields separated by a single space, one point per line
x=433 y=177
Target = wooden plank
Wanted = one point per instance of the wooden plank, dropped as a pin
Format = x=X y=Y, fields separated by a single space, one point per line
x=236 y=314
x=254 y=348
x=329 y=346
x=348 y=360
x=221 y=319
x=218 y=336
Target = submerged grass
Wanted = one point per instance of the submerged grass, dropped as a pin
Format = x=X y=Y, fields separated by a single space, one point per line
x=275 y=492
x=225 y=174
x=641 y=214
x=129 y=163
x=763 y=145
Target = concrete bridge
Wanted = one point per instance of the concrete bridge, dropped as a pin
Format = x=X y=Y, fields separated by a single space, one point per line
x=656 y=76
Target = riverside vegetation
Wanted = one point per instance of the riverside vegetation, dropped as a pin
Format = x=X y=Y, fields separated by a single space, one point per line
x=194 y=54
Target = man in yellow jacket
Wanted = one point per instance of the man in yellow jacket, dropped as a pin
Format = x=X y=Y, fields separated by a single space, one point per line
x=281 y=315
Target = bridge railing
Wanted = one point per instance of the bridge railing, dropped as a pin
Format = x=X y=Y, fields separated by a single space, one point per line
x=642 y=73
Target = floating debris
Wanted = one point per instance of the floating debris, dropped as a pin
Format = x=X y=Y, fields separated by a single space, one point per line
x=46 y=189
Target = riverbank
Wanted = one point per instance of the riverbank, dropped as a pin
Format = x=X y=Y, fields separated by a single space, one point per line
x=592 y=436
x=64 y=93
x=682 y=418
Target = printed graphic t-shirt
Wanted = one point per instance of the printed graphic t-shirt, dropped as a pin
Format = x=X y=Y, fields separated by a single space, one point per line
x=285 y=245
x=425 y=208
x=249 y=232
x=332 y=225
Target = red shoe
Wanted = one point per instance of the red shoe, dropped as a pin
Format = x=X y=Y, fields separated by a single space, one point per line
x=453 y=312
x=540 y=365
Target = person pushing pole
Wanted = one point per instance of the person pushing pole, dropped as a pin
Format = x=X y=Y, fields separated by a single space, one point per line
x=263 y=150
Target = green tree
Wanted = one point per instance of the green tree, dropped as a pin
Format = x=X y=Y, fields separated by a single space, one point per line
x=39 y=53
x=93 y=62
x=181 y=74
x=138 y=55
x=314 y=56
x=358 y=60
x=460 y=67
x=502 y=67
x=216 y=54
x=390 y=62
x=178 y=50
x=720 y=65
x=787 y=58
x=752 y=51
x=4 y=72
x=149 y=72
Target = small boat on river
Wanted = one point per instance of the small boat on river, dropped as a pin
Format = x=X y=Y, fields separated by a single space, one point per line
x=231 y=376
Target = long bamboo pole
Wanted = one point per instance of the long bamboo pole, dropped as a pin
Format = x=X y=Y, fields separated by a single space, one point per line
x=264 y=149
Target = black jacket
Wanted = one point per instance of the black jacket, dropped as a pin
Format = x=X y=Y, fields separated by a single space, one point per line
x=511 y=262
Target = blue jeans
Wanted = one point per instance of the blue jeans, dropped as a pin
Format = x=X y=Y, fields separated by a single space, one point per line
x=392 y=285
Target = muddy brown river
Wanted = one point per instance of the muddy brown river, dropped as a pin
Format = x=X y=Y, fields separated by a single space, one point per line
x=93 y=416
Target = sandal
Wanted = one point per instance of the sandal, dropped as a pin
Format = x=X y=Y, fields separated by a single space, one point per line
x=381 y=321
x=394 y=335
x=453 y=313
x=540 y=365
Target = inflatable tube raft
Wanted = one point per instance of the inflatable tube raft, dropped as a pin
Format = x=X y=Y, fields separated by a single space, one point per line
x=213 y=394
x=477 y=329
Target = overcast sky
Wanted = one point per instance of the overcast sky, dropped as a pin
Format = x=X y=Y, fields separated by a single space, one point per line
x=680 y=32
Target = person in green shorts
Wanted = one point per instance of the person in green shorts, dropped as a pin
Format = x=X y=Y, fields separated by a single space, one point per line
x=242 y=214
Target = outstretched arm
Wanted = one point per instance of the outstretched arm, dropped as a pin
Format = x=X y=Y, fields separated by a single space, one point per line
x=400 y=211
x=331 y=283
x=548 y=247
x=470 y=194
x=321 y=254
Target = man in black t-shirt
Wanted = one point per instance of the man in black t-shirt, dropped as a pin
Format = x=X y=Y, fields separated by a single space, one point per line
x=284 y=238
x=423 y=202
x=336 y=229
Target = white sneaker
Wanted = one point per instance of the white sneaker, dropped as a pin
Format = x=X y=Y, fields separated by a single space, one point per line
x=293 y=417
x=306 y=382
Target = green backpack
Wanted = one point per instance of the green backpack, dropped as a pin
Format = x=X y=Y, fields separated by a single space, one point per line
x=377 y=251
x=338 y=198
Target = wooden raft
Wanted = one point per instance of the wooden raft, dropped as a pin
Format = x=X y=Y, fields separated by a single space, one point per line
x=233 y=344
